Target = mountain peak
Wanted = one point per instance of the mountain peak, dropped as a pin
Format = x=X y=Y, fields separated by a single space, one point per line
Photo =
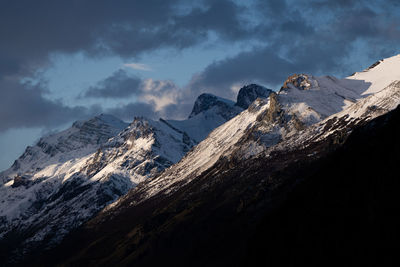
x=206 y=101
x=300 y=81
x=247 y=94
x=94 y=131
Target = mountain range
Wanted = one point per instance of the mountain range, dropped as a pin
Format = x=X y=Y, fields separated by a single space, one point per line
x=67 y=177
x=301 y=175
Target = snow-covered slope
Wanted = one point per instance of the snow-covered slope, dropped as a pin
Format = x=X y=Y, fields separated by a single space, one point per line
x=320 y=97
x=82 y=139
x=380 y=75
x=208 y=151
x=200 y=124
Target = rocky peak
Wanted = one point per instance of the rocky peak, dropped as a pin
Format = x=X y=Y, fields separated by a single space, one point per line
x=101 y=121
x=249 y=93
x=206 y=101
x=300 y=81
x=20 y=181
x=94 y=131
x=139 y=128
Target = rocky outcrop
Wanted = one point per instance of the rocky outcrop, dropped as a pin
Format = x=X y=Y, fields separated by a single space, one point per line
x=247 y=94
x=207 y=101
x=300 y=81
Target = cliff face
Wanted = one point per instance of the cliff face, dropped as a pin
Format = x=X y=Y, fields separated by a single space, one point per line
x=249 y=93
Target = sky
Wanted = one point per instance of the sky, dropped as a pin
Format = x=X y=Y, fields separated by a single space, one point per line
x=62 y=61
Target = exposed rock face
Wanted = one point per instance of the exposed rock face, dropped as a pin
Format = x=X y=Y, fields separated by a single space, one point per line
x=249 y=93
x=207 y=101
x=300 y=81
x=374 y=65
x=210 y=111
x=274 y=111
x=20 y=181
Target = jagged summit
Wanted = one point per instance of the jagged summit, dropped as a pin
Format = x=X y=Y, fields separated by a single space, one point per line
x=82 y=138
x=248 y=93
x=299 y=81
x=206 y=101
x=210 y=111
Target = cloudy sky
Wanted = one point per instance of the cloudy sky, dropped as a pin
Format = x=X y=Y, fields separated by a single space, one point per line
x=62 y=61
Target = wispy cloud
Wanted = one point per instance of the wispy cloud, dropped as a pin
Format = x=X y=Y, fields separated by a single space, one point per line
x=138 y=66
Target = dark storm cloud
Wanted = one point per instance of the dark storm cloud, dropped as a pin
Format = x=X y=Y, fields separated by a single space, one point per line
x=222 y=17
x=260 y=64
x=30 y=31
x=118 y=85
x=316 y=37
x=333 y=4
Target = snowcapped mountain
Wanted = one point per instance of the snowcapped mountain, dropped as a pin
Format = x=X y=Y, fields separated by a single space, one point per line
x=300 y=175
x=211 y=111
x=306 y=109
x=68 y=177
x=83 y=138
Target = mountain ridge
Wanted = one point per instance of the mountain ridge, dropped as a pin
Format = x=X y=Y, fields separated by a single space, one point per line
x=274 y=137
x=68 y=177
x=151 y=161
x=246 y=211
